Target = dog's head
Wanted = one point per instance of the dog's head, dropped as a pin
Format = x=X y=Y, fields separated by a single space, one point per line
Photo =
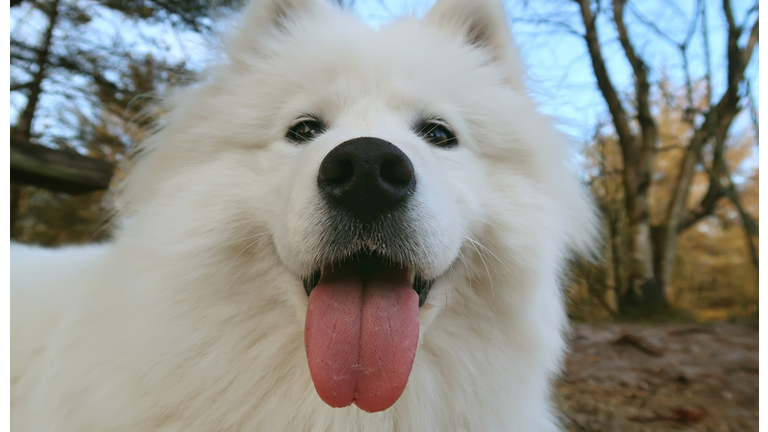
x=385 y=167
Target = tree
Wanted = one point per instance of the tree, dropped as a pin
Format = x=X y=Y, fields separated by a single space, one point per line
x=713 y=257
x=651 y=245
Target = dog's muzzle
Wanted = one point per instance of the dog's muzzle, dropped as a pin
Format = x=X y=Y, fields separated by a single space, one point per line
x=362 y=322
x=367 y=183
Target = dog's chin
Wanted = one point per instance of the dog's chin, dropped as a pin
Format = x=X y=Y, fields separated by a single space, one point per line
x=368 y=267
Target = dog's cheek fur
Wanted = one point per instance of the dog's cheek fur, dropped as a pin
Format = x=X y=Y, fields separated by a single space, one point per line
x=213 y=208
x=453 y=185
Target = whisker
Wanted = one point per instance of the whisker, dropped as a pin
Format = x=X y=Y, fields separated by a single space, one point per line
x=476 y=246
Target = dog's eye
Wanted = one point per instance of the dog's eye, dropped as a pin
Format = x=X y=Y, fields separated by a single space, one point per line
x=437 y=134
x=305 y=130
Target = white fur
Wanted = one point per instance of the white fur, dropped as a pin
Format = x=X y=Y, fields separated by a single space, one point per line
x=192 y=318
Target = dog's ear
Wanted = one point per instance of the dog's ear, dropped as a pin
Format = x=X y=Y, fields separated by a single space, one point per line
x=278 y=14
x=266 y=18
x=481 y=23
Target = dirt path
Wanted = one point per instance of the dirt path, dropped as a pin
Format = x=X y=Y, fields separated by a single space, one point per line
x=700 y=377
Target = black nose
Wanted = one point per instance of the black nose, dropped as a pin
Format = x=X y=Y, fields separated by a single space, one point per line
x=367 y=177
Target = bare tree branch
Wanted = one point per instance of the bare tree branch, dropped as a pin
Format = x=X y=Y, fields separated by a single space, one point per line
x=650 y=24
x=692 y=26
x=729 y=15
x=716 y=123
x=707 y=52
x=24 y=124
x=754 y=35
x=682 y=46
x=702 y=210
x=750 y=226
x=716 y=191
x=618 y=114
x=684 y=52
x=753 y=112
x=706 y=206
x=643 y=87
x=22 y=86
x=555 y=23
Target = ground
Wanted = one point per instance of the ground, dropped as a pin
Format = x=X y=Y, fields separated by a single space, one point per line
x=685 y=377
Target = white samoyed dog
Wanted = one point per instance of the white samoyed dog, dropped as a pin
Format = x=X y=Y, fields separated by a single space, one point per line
x=339 y=229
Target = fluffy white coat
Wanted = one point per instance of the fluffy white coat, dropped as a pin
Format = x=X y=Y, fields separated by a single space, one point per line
x=192 y=318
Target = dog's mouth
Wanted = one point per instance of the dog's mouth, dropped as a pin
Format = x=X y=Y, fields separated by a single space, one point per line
x=372 y=264
x=362 y=329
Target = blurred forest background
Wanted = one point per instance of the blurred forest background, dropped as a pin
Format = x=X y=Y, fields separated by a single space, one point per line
x=670 y=150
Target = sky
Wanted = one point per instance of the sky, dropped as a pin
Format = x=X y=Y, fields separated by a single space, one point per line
x=560 y=74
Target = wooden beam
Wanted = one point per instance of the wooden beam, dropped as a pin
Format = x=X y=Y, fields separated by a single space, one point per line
x=57 y=170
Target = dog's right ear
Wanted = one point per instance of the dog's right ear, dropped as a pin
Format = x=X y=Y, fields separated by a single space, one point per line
x=483 y=24
x=265 y=18
x=265 y=15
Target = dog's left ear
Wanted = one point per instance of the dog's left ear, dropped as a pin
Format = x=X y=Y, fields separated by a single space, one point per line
x=266 y=15
x=481 y=23
x=264 y=19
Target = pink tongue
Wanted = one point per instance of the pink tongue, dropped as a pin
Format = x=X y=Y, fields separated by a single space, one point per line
x=361 y=337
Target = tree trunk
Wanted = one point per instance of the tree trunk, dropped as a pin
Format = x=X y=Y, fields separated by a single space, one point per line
x=23 y=127
x=644 y=292
x=638 y=151
x=615 y=228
